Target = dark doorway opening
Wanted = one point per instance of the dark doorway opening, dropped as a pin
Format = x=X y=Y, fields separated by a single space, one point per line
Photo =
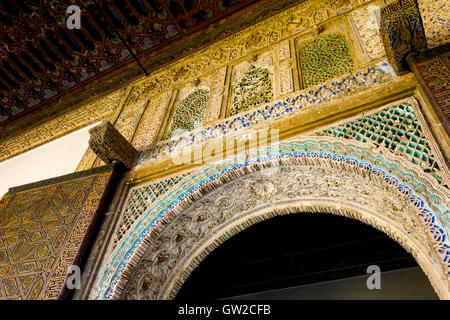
x=294 y=250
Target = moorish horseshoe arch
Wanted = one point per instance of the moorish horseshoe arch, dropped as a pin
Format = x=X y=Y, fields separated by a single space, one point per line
x=316 y=175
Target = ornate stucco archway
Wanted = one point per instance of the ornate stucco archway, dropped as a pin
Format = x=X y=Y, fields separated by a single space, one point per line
x=314 y=175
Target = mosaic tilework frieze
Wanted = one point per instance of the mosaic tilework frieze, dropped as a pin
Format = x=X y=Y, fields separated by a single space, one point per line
x=436 y=21
x=325 y=57
x=139 y=199
x=151 y=120
x=330 y=90
x=41 y=232
x=397 y=128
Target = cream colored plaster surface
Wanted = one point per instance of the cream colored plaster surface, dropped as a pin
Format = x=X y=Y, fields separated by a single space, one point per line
x=50 y=160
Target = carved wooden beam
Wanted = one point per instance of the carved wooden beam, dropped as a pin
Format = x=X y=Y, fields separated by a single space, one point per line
x=432 y=70
x=109 y=145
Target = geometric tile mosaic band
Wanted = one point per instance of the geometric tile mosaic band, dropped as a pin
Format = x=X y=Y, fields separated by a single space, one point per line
x=139 y=199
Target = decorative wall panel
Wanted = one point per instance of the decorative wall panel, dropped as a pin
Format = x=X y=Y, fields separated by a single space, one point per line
x=359 y=81
x=325 y=57
x=436 y=21
x=285 y=68
x=434 y=76
x=402 y=32
x=226 y=210
x=366 y=23
x=252 y=83
x=400 y=128
x=151 y=120
x=129 y=119
x=190 y=111
x=44 y=228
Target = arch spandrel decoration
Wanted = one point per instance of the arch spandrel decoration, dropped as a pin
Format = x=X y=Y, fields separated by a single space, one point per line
x=164 y=248
x=399 y=127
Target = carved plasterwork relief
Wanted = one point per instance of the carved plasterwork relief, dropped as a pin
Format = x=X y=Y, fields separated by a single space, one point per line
x=354 y=179
x=213 y=60
x=205 y=224
x=436 y=21
x=367 y=27
x=129 y=119
x=102 y=109
x=286 y=69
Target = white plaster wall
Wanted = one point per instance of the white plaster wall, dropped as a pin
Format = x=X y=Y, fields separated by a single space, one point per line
x=56 y=158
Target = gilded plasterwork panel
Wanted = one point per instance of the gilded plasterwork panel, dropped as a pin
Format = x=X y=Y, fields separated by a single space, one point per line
x=129 y=119
x=151 y=120
x=214 y=59
x=42 y=229
x=436 y=21
x=218 y=95
x=366 y=24
x=285 y=67
x=101 y=109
